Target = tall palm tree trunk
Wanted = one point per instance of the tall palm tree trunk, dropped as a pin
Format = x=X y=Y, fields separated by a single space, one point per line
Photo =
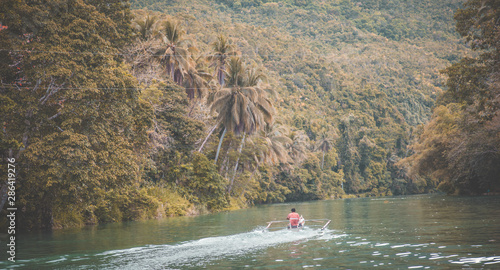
x=208 y=136
x=237 y=162
x=178 y=78
x=193 y=104
x=171 y=70
x=220 y=144
x=323 y=160
x=221 y=75
x=225 y=161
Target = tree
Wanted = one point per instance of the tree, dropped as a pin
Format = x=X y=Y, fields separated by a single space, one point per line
x=349 y=154
x=468 y=112
x=298 y=148
x=173 y=53
x=223 y=49
x=275 y=141
x=147 y=27
x=325 y=144
x=73 y=106
x=196 y=81
x=206 y=184
x=242 y=107
x=476 y=81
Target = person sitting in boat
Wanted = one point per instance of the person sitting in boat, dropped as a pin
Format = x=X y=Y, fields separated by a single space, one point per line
x=295 y=219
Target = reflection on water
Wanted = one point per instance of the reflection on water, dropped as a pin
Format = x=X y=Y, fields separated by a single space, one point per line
x=413 y=232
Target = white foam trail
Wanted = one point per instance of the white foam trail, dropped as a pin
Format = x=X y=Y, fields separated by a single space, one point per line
x=485 y=260
x=199 y=252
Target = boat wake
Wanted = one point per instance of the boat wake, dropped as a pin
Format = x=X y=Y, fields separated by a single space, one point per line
x=195 y=253
x=199 y=252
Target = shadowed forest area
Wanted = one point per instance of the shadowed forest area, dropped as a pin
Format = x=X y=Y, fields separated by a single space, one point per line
x=134 y=110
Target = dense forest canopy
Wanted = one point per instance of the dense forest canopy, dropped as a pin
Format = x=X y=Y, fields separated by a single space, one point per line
x=122 y=111
x=460 y=145
x=352 y=72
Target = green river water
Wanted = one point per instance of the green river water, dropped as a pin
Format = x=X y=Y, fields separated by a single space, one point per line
x=407 y=232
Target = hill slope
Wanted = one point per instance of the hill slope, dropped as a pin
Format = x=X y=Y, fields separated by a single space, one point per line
x=365 y=72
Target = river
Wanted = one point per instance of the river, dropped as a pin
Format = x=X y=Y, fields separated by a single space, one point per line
x=405 y=232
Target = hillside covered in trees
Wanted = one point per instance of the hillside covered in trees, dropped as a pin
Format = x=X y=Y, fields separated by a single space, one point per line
x=460 y=146
x=183 y=107
x=358 y=77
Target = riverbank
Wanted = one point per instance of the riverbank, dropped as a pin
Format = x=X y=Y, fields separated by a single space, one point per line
x=163 y=203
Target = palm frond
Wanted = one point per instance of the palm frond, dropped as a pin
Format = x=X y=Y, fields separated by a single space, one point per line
x=172 y=31
x=254 y=76
x=146 y=27
x=251 y=93
x=249 y=109
x=220 y=101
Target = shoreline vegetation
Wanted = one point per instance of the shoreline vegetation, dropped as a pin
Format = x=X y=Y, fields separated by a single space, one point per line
x=123 y=111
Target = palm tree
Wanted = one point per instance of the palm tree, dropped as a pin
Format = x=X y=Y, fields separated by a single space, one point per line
x=324 y=144
x=275 y=141
x=223 y=50
x=242 y=106
x=173 y=54
x=197 y=79
x=298 y=149
x=147 y=27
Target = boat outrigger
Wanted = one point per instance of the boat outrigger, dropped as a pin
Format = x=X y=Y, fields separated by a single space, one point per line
x=301 y=223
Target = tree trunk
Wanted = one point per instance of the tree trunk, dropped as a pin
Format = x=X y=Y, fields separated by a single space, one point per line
x=225 y=161
x=172 y=70
x=220 y=144
x=323 y=160
x=192 y=108
x=237 y=162
x=206 y=139
x=220 y=76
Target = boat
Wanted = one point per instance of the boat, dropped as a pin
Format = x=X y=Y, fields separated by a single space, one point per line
x=301 y=224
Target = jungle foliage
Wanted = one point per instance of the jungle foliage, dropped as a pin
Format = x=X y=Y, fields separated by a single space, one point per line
x=178 y=108
x=362 y=76
x=460 y=145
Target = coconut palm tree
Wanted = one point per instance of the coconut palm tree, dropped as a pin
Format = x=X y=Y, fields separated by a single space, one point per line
x=241 y=107
x=223 y=49
x=298 y=149
x=324 y=144
x=197 y=79
x=275 y=140
x=173 y=54
x=147 y=27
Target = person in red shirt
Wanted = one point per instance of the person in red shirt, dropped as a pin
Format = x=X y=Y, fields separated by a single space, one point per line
x=294 y=219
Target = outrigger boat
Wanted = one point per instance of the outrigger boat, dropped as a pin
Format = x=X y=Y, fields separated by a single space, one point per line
x=301 y=223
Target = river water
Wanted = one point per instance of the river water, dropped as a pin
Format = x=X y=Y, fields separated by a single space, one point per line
x=407 y=232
